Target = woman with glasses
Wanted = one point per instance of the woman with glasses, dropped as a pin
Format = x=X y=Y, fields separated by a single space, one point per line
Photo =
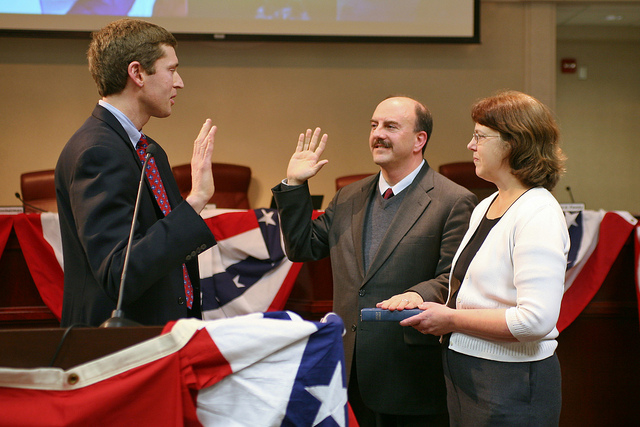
x=507 y=277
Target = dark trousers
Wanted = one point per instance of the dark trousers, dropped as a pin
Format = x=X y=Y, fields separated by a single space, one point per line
x=367 y=417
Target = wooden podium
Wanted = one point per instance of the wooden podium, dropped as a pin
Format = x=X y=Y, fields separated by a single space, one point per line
x=34 y=348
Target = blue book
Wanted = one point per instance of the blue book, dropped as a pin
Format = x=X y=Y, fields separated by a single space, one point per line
x=382 y=315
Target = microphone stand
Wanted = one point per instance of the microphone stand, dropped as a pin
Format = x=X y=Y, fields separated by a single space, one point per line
x=28 y=205
x=117 y=318
x=570 y=194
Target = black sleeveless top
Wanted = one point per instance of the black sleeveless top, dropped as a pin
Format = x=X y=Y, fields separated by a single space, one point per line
x=472 y=247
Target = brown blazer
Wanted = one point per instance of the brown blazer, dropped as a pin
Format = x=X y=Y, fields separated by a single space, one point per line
x=399 y=370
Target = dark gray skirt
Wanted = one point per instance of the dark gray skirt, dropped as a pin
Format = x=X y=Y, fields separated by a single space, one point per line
x=483 y=392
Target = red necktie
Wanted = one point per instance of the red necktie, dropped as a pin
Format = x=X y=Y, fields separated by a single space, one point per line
x=153 y=176
x=388 y=194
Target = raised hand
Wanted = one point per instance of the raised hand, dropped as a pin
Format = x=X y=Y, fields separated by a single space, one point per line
x=305 y=162
x=202 y=186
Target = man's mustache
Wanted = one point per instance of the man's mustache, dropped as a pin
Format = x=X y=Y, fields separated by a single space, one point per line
x=382 y=142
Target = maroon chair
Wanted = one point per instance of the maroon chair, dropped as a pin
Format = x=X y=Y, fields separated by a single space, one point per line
x=464 y=173
x=38 y=189
x=231 y=181
x=341 y=181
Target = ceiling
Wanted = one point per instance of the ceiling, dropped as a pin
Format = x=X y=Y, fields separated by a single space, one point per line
x=621 y=15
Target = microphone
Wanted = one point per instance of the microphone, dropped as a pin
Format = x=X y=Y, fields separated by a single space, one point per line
x=117 y=318
x=570 y=194
x=573 y=207
x=28 y=205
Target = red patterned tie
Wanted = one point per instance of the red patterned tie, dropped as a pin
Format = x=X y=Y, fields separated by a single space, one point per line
x=153 y=176
x=388 y=194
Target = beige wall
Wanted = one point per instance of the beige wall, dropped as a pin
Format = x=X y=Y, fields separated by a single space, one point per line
x=263 y=94
x=599 y=117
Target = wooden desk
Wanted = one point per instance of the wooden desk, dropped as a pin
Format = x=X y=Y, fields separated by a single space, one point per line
x=600 y=352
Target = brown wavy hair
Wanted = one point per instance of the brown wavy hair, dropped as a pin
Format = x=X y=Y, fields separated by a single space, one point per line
x=121 y=42
x=531 y=132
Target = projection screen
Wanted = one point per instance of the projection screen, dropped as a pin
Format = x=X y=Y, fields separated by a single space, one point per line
x=359 y=20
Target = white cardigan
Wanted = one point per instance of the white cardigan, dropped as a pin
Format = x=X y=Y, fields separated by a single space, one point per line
x=521 y=267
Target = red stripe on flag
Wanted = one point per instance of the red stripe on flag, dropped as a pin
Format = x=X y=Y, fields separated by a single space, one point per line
x=41 y=260
x=280 y=300
x=6 y=224
x=614 y=232
x=353 y=422
x=231 y=224
x=204 y=362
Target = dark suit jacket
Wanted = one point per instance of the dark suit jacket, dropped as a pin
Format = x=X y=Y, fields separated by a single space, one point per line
x=399 y=369
x=97 y=179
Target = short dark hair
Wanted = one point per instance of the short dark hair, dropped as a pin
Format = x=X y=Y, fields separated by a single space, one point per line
x=121 y=42
x=424 y=122
x=531 y=132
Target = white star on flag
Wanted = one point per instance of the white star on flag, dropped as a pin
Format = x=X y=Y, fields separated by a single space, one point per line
x=570 y=217
x=267 y=217
x=236 y=280
x=333 y=398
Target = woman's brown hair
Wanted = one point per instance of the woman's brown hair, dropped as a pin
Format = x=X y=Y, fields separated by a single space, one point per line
x=531 y=132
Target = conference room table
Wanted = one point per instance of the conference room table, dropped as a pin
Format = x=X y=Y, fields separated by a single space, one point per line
x=599 y=343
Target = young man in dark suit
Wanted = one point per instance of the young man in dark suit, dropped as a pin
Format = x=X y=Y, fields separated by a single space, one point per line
x=134 y=65
x=394 y=247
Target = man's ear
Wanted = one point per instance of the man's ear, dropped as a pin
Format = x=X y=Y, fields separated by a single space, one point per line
x=136 y=73
x=421 y=140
